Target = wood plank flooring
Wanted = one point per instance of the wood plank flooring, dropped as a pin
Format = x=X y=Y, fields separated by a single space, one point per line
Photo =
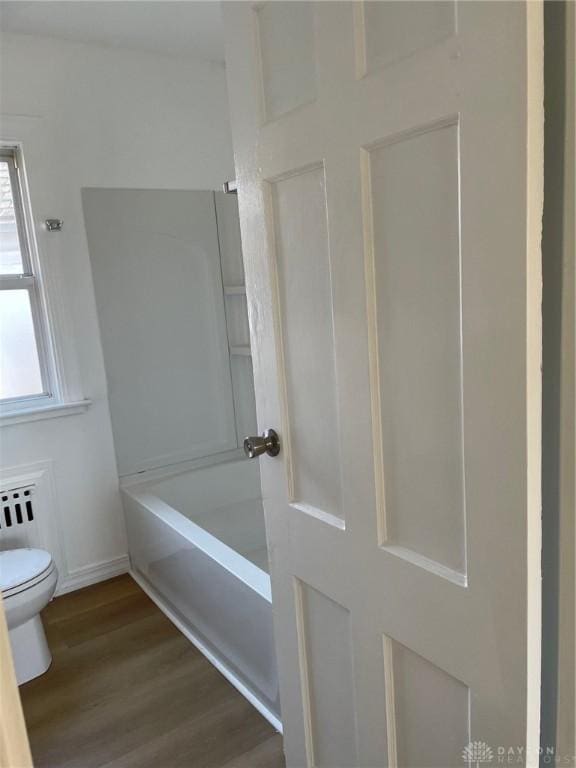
x=127 y=690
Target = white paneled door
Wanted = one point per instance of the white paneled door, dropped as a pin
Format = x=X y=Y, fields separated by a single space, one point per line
x=389 y=164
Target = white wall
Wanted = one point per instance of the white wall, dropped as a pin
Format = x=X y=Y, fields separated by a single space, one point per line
x=91 y=116
x=566 y=726
x=558 y=436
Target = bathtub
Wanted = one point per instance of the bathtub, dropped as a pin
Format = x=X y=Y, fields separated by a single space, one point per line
x=197 y=546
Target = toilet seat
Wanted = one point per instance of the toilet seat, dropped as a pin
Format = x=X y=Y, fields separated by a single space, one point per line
x=22 y=569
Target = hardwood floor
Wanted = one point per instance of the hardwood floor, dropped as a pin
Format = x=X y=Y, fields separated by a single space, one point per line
x=127 y=690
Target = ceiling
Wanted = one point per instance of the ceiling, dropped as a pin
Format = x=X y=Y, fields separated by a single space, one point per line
x=181 y=28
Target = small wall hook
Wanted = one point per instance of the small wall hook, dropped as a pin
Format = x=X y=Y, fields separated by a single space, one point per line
x=54 y=225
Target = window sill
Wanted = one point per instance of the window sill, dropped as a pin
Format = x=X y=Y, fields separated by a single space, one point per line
x=44 y=412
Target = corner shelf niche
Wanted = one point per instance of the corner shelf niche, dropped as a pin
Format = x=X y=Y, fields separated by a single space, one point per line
x=234 y=290
x=242 y=350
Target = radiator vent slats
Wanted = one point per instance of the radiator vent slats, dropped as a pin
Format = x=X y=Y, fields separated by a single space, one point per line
x=17 y=506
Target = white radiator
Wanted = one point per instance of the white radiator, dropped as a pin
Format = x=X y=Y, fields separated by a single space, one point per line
x=28 y=512
x=18 y=526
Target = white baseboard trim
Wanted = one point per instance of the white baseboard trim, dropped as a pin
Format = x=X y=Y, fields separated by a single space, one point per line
x=220 y=666
x=92 y=574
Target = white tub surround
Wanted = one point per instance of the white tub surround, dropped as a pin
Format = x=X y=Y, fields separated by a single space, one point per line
x=169 y=285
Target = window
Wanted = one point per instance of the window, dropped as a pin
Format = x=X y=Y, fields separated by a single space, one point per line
x=25 y=375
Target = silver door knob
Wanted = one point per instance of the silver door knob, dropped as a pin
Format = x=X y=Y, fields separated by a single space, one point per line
x=269 y=443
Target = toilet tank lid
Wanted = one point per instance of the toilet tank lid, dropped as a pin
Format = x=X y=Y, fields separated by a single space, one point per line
x=17 y=566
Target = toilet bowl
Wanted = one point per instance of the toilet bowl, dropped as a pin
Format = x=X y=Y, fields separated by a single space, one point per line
x=27 y=579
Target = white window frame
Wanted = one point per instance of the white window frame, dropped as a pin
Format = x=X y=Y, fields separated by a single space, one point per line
x=30 y=280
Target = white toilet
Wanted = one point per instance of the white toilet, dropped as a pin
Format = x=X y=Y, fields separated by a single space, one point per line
x=27 y=579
